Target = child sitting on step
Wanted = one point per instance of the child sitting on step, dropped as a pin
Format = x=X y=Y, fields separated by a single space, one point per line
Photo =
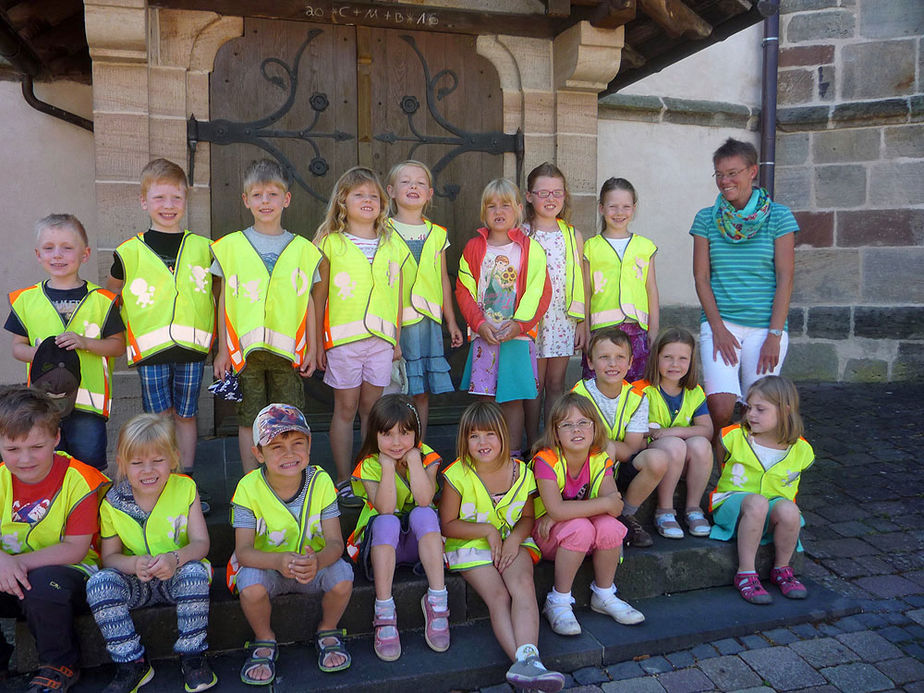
x=755 y=497
x=154 y=543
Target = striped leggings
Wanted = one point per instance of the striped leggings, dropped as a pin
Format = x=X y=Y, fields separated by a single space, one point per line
x=112 y=595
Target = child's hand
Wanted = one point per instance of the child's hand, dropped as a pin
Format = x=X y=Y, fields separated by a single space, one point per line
x=508 y=553
x=163 y=566
x=142 y=568
x=544 y=526
x=508 y=330
x=286 y=563
x=305 y=566
x=412 y=457
x=221 y=364
x=387 y=462
x=654 y=432
x=397 y=354
x=13 y=577
x=321 y=359
x=495 y=542
x=71 y=341
x=308 y=368
x=580 y=337
x=615 y=504
x=486 y=332
x=455 y=336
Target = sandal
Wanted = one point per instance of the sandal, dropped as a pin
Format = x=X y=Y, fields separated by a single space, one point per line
x=697 y=524
x=336 y=648
x=667 y=526
x=387 y=641
x=254 y=661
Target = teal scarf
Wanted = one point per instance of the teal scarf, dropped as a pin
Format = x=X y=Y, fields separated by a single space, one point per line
x=739 y=225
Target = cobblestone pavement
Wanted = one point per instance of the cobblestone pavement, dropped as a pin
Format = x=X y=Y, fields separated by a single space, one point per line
x=863 y=502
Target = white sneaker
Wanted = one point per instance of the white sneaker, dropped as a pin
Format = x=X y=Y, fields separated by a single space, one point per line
x=560 y=616
x=616 y=608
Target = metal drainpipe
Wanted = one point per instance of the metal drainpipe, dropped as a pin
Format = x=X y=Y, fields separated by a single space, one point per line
x=28 y=93
x=771 y=50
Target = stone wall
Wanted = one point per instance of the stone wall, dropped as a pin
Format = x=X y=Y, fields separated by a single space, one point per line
x=850 y=163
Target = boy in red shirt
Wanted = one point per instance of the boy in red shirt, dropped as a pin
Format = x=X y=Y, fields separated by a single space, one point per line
x=49 y=517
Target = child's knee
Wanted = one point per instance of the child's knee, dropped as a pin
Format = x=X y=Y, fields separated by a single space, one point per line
x=385 y=531
x=576 y=534
x=423 y=520
x=755 y=505
x=608 y=532
x=342 y=589
x=654 y=461
x=675 y=448
x=786 y=512
x=699 y=449
x=254 y=593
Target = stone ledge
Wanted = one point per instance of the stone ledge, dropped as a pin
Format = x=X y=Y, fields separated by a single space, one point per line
x=889 y=322
x=681 y=111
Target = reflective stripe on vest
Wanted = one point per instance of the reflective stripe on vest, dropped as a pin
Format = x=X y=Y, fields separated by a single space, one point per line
x=476 y=506
x=262 y=310
x=599 y=463
x=80 y=481
x=277 y=529
x=427 y=292
x=42 y=320
x=363 y=297
x=618 y=287
x=629 y=400
x=658 y=411
x=409 y=271
x=743 y=472
x=574 y=273
x=163 y=309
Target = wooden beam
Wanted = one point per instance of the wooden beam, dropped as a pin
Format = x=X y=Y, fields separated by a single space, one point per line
x=676 y=18
x=557 y=8
x=631 y=58
x=732 y=8
x=611 y=14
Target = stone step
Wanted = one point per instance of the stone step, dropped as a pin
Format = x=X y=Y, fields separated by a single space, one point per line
x=475 y=660
x=668 y=567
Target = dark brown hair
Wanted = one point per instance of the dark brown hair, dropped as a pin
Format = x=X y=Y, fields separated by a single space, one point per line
x=611 y=184
x=24 y=408
x=548 y=170
x=388 y=412
x=732 y=147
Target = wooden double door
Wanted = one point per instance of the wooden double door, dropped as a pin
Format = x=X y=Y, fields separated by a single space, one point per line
x=323 y=98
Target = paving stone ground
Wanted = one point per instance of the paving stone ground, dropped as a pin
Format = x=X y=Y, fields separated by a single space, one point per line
x=863 y=502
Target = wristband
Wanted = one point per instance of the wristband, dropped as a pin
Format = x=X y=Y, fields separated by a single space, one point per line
x=775 y=333
x=176 y=557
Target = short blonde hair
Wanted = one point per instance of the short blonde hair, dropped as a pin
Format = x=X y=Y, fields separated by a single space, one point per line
x=162 y=171
x=781 y=393
x=559 y=412
x=393 y=176
x=482 y=416
x=506 y=191
x=61 y=221
x=335 y=218
x=146 y=433
x=265 y=172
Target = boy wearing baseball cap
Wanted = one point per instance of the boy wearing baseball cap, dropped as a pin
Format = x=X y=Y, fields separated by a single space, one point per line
x=287 y=539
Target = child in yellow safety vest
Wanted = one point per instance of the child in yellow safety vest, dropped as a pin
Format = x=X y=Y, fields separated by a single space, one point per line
x=427 y=295
x=680 y=425
x=287 y=539
x=619 y=275
x=577 y=512
x=396 y=476
x=359 y=307
x=48 y=519
x=78 y=316
x=167 y=304
x=154 y=543
x=755 y=497
x=266 y=313
x=561 y=330
x=486 y=513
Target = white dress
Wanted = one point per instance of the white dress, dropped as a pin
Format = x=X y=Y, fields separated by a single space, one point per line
x=556 y=329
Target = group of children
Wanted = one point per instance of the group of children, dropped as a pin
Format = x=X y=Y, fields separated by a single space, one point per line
x=373 y=289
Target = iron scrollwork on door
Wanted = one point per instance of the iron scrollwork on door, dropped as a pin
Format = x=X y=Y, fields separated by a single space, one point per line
x=260 y=134
x=463 y=140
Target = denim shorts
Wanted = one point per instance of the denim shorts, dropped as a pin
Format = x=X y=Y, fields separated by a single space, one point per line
x=171 y=386
x=276 y=584
x=83 y=435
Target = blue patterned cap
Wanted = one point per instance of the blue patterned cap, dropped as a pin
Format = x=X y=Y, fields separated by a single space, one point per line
x=274 y=419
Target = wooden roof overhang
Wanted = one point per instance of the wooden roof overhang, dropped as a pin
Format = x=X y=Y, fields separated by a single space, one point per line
x=45 y=39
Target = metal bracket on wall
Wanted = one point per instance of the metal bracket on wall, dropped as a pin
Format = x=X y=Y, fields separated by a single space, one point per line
x=259 y=134
x=464 y=141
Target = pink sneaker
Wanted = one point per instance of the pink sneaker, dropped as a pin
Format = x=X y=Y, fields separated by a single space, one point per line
x=787 y=582
x=751 y=590
x=436 y=625
x=387 y=643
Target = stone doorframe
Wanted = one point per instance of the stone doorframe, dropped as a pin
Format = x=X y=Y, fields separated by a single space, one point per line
x=151 y=72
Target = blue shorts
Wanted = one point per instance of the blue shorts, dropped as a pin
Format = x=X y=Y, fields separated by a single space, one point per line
x=725 y=520
x=171 y=386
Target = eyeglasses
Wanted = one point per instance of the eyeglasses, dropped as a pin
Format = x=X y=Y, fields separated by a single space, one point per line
x=730 y=174
x=543 y=194
x=583 y=424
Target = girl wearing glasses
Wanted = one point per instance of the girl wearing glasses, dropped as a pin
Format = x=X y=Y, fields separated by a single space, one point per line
x=576 y=512
x=560 y=333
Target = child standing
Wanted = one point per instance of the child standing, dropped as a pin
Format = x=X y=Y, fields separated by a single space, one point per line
x=79 y=316
x=154 y=543
x=503 y=290
x=486 y=512
x=755 y=497
x=167 y=304
x=359 y=308
x=396 y=476
x=624 y=412
x=427 y=296
x=287 y=539
x=48 y=502
x=267 y=316
x=619 y=273
x=577 y=511
x=560 y=331
x=680 y=426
